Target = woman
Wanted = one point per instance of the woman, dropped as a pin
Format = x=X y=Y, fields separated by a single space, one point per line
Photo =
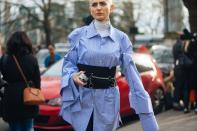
x=19 y=116
x=90 y=97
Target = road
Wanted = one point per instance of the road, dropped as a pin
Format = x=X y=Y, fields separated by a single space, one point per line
x=3 y=125
x=168 y=121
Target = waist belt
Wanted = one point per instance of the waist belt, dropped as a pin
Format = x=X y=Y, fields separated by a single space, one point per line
x=98 y=77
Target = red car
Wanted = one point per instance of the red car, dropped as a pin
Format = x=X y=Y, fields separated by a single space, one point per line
x=49 y=113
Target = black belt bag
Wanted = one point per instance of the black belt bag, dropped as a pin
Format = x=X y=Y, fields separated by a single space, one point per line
x=98 y=77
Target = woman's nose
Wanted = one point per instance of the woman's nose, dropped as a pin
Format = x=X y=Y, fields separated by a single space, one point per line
x=99 y=6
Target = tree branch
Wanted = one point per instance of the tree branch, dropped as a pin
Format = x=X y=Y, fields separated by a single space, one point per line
x=11 y=21
x=40 y=6
x=30 y=14
x=27 y=9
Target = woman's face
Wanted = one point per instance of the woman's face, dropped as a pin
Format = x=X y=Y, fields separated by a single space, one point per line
x=101 y=9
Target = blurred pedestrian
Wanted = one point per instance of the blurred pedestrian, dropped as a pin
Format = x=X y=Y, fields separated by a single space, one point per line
x=192 y=53
x=90 y=97
x=182 y=69
x=178 y=75
x=186 y=72
x=52 y=57
x=18 y=115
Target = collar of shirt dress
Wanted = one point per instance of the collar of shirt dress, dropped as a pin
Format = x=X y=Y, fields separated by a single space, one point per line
x=103 y=28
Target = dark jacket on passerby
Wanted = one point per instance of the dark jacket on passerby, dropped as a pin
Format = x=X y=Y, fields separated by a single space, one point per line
x=14 y=109
x=177 y=53
x=192 y=53
x=178 y=71
x=177 y=50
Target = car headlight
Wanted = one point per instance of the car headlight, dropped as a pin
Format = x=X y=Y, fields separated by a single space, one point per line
x=54 y=102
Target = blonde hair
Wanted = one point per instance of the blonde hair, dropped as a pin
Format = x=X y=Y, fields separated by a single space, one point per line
x=110 y=1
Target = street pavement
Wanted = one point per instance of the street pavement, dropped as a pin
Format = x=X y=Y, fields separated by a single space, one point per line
x=169 y=121
x=3 y=125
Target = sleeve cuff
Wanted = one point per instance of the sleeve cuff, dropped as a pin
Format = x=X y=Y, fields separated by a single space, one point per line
x=148 y=122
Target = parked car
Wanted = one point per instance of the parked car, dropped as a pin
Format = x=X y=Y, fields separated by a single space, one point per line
x=49 y=113
x=164 y=58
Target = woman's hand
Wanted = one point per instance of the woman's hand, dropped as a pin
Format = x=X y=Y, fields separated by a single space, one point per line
x=77 y=80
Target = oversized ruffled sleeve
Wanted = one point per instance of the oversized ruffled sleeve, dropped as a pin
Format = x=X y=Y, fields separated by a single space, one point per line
x=139 y=99
x=69 y=91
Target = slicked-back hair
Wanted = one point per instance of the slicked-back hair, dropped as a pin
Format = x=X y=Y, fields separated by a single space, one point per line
x=19 y=44
x=110 y=1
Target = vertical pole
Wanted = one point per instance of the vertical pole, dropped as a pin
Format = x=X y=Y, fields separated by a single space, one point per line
x=166 y=15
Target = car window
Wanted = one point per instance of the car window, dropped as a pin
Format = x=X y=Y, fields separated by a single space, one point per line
x=55 y=70
x=162 y=55
x=41 y=55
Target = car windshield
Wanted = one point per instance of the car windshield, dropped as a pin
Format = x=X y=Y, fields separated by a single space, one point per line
x=54 y=70
x=41 y=55
x=162 y=55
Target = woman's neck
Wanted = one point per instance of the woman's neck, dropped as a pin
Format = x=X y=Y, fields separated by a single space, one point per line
x=102 y=25
x=103 y=28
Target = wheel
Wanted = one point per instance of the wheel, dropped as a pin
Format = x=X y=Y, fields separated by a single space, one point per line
x=158 y=100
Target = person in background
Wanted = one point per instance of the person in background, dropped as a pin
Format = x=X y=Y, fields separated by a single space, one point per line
x=52 y=57
x=18 y=115
x=90 y=96
x=178 y=75
x=183 y=69
x=192 y=53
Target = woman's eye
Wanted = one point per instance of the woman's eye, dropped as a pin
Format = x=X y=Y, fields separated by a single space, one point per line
x=103 y=3
x=94 y=4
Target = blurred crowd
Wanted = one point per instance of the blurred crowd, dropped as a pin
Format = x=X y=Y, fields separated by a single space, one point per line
x=185 y=69
x=179 y=79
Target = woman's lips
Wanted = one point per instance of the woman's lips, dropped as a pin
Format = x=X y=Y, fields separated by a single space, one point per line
x=99 y=13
